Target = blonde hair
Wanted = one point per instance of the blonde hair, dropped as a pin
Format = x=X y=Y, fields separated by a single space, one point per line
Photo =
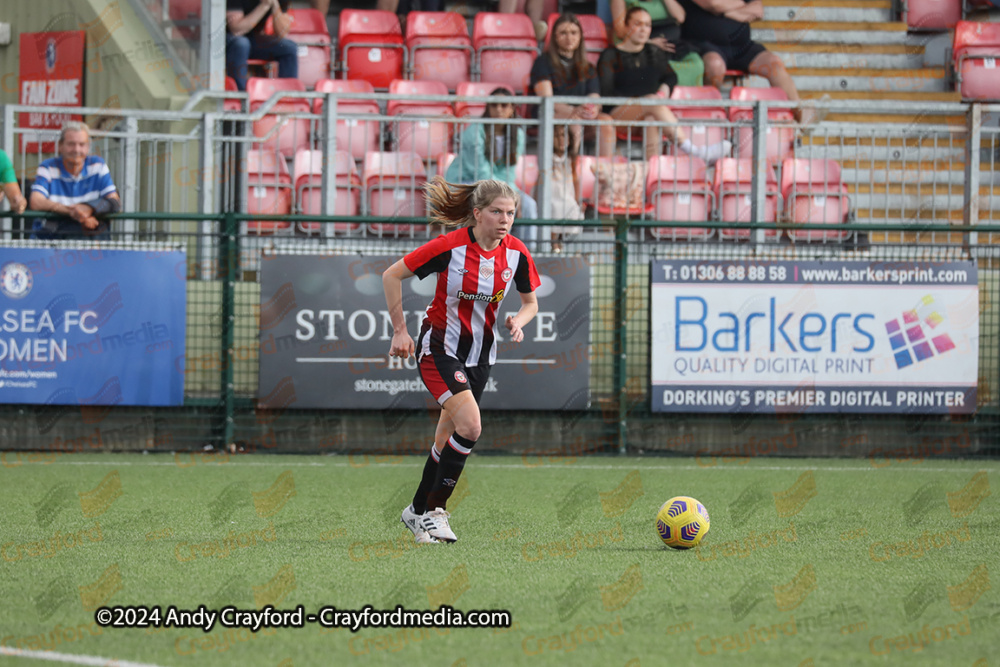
x=451 y=205
x=73 y=126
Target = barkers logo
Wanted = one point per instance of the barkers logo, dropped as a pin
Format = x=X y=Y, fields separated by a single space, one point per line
x=909 y=340
x=460 y=377
x=486 y=271
x=490 y=298
x=15 y=280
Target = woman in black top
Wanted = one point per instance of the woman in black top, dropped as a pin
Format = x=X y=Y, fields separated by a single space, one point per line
x=563 y=70
x=636 y=68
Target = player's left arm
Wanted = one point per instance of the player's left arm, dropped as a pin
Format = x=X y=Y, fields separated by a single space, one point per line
x=527 y=312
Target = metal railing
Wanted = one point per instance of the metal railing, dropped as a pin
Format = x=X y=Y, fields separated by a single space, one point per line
x=224 y=345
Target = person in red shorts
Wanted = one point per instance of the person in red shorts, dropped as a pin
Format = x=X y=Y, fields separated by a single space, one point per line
x=477 y=265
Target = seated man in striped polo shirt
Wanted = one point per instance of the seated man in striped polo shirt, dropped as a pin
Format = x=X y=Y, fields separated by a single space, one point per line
x=76 y=185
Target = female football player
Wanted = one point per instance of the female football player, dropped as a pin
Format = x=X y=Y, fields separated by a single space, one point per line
x=476 y=266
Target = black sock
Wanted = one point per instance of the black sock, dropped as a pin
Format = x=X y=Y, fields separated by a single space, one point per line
x=426 y=482
x=449 y=470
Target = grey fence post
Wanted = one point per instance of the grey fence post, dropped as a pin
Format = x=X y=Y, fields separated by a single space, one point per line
x=206 y=196
x=546 y=114
x=758 y=186
x=329 y=151
x=130 y=190
x=8 y=146
x=973 y=142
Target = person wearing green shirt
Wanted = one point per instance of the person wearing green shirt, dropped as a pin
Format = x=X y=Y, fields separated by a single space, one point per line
x=8 y=181
x=667 y=17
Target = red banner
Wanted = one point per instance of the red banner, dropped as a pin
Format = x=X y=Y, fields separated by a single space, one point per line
x=51 y=75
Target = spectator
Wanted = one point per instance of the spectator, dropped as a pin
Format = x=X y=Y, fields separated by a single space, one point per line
x=636 y=68
x=563 y=70
x=490 y=151
x=533 y=8
x=403 y=7
x=722 y=28
x=76 y=185
x=8 y=181
x=565 y=205
x=245 y=38
x=667 y=17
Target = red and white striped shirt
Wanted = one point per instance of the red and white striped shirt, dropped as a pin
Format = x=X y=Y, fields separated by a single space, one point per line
x=462 y=319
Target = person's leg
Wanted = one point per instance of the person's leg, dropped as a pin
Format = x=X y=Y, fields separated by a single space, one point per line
x=237 y=54
x=606 y=138
x=771 y=67
x=322 y=6
x=715 y=68
x=283 y=51
x=629 y=112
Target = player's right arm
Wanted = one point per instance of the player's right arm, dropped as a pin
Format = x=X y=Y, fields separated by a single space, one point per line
x=392 y=282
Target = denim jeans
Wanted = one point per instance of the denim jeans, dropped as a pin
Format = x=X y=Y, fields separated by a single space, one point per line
x=260 y=47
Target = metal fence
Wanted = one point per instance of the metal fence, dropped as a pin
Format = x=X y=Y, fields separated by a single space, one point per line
x=224 y=346
x=186 y=181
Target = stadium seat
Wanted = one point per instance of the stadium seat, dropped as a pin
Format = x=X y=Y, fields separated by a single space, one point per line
x=506 y=48
x=976 y=50
x=309 y=31
x=356 y=136
x=526 y=173
x=780 y=140
x=186 y=17
x=444 y=161
x=678 y=191
x=733 y=188
x=595 y=34
x=439 y=47
x=699 y=133
x=309 y=189
x=423 y=137
x=235 y=104
x=934 y=15
x=812 y=192
x=464 y=108
x=269 y=191
x=371 y=46
x=291 y=134
x=393 y=184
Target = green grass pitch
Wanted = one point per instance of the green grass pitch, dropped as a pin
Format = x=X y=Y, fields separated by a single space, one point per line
x=808 y=561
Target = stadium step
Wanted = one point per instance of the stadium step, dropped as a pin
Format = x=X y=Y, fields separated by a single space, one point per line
x=927 y=172
x=836 y=32
x=848 y=56
x=872 y=79
x=858 y=150
x=828 y=10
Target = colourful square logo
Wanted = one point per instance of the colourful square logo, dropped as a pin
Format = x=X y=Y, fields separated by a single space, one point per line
x=908 y=339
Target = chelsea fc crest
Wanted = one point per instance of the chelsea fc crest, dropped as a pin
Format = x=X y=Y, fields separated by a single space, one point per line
x=15 y=280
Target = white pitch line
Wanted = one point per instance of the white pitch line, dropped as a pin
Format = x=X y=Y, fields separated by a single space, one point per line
x=70 y=658
x=513 y=466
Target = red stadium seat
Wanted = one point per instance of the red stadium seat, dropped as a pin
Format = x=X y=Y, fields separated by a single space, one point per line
x=309 y=31
x=439 y=47
x=355 y=136
x=732 y=189
x=595 y=34
x=444 y=161
x=393 y=184
x=976 y=50
x=678 y=190
x=269 y=191
x=423 y=137
x=506 y=48
x=232 y=104
x=934 y=15
x=291 y=134
x=186 y=16
x=371 y=46
x=780 y=140
x=813 y=193
x=475 y=89
x=309 y=170
x=700 y=134
x=526 y=173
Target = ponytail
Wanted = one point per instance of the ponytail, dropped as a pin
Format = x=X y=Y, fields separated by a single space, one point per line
x=451 y=205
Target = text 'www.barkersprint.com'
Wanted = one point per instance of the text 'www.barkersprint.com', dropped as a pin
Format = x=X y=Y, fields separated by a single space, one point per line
x=269 y=617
